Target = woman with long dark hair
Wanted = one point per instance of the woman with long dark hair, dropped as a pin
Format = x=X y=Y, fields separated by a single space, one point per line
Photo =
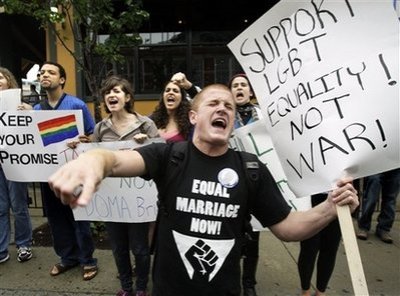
x=171 y=114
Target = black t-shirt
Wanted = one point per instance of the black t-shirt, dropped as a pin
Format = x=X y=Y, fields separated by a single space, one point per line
x=200 y=236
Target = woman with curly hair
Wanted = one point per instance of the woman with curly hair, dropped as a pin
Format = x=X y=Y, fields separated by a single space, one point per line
x=171 y=117
x=171 y=114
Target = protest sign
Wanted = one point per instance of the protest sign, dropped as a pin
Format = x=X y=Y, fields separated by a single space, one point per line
x=326 y=77
x=28 y=141
x=254 y=138
x=121 y=200
x=10 y=99
x=117 y=199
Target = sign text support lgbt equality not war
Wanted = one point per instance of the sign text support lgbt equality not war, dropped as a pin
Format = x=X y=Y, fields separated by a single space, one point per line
x=29 y=139
x=326 y=76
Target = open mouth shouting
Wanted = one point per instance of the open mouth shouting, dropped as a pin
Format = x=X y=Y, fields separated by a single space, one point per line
x=112 y=102
x=219 y=123
x=239 y=94
x=170 y=101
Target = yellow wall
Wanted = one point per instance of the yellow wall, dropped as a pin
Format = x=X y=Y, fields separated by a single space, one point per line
x=63 y=57
x=68 y=62
x=145 y=107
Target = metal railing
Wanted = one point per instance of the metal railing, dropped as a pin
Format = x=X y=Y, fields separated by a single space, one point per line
x=32 y=99
x=35 y=196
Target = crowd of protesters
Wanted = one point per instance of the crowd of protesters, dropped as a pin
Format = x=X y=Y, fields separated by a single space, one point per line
x=198 y=123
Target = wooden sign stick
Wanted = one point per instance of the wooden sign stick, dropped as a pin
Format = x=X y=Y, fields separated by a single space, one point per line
x=352 y=252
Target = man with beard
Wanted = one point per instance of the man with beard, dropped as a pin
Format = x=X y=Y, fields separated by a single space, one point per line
x=72 y=239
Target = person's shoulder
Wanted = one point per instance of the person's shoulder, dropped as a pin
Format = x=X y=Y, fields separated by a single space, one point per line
x=142 y=118
x=74 y=102
x=172 y=148
x=248 y=159
x=180 y=145
x=104 y=121
x=153 y=149
x=74 y=99
x=257 y=107
x=245 y=153
x=71 y=97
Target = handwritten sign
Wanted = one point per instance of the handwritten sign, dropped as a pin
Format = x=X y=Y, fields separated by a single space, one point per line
x=121 y=200
x=28 y=142
x=326 y=76
x=10 y=99
x=117 y=199
x=254 y=138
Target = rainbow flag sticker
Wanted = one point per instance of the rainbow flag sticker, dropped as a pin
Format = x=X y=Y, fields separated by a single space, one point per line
x=58 y=129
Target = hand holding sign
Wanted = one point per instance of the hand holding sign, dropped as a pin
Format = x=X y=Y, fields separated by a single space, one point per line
x=318 y=70
x=320 y=73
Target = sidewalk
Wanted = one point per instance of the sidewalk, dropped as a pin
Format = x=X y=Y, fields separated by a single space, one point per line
x=277 y=272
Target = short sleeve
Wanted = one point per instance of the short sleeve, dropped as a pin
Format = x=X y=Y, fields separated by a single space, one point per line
x=88 y=121
x=154 y=156
x=268 y=206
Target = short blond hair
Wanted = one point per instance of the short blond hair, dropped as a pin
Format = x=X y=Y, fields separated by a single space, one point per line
x=198 y=98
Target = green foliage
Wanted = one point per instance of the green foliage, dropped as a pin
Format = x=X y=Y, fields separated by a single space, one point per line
x=98 y=228
x=90 y=19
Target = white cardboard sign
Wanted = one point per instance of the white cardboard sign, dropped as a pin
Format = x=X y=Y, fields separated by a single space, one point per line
x=29 y=139
x=117 y=199
x=10 y=99
x=326 y=75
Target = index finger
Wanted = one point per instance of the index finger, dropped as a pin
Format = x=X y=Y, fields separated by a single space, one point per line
x=86 y=194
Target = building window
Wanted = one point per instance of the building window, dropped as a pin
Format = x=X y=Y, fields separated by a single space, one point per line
x=203 y=56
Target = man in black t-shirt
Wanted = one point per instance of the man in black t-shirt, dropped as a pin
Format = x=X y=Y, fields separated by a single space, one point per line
x=204 y=208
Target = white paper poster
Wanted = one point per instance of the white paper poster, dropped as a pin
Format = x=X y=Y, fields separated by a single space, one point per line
x=326 y=75
x=28 y=141
x=117 y=199
x=10 y=99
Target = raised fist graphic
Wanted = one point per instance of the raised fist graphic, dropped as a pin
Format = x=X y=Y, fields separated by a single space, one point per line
x=202 y=258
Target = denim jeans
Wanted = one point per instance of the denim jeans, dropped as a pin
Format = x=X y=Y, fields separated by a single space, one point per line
x=14 y=195
x=125 y=237
x=389 y=184
x=72 y=240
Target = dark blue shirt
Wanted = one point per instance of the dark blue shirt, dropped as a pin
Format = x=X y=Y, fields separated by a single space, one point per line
x=68 y=102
